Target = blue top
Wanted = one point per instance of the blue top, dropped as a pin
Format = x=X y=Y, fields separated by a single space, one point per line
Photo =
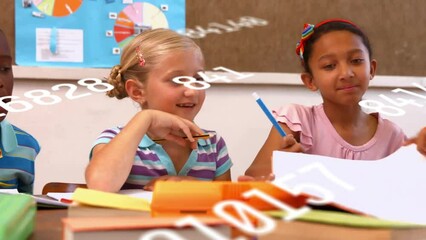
x=18 y=152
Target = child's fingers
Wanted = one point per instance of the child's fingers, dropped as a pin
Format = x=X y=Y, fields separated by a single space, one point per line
x=193 y=127
x=193 y=145
x=296 y=148
x=271 y=177
x=422 y=149
x=177 y=139
x=188 y=128
x=289 y=144
x=245 y=178
x=288 y=140
x=149 y=186
x=409 y=141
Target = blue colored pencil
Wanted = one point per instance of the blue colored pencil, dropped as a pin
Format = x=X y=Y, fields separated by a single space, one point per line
x=269 y=114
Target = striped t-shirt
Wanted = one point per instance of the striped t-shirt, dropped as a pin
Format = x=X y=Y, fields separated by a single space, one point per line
x=18 y=152
x=208 y=161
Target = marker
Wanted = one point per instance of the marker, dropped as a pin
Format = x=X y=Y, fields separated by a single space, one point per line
x=202 y=136
x=65 y=200
x=268 y=114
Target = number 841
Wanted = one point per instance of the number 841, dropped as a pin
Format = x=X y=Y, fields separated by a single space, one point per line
x=398 y=102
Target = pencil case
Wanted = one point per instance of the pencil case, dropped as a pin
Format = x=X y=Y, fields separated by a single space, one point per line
x=198 y=197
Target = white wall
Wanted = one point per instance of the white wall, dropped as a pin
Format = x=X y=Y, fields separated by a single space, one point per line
x=67 y=129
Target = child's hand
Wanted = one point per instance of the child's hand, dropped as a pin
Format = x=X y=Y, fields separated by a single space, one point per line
x=150 y=186
x=246 y=178
x=289 y=144
x=171 y=127
x=420 y=141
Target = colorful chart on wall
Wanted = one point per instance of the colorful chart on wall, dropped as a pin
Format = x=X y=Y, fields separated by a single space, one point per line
x=89 y=33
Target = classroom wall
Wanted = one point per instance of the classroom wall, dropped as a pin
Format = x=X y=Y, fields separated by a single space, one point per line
x=66 y=130
x=394 y=27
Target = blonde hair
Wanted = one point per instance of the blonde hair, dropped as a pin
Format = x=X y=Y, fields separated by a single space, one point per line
x=153 y=44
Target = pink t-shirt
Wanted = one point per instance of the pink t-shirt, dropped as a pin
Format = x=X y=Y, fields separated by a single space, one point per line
x=318 y=136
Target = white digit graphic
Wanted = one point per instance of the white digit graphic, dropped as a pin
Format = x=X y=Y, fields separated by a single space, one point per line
x=324 y=171
x=379 y=107
x=8 y=106
x=161 y=234
x=419 y=86
x=198 y=85
x=95 y=82
x=327 y=196
x=237 y=74
x=292 y=213
x=191 y=33
x=401 y=102
x=411 y=93
x=206 y=230
x=255 y=21
x=38 y=95
x=70 y=93
x=213 y=78
x=266 y=227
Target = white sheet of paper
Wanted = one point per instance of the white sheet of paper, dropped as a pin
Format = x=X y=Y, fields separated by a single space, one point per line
x=9 y=191
x=391 y=188
x=60 y=195
x=48 y=201
x=69 y=45
x=139 y=193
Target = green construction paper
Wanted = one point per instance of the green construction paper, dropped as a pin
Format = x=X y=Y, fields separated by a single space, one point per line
x=345 y=219
x=17 y=219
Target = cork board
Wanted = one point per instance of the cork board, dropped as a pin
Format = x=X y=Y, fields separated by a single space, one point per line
x=393 y=26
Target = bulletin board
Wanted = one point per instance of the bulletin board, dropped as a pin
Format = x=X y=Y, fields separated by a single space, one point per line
x=393 y=26
x=90 y=33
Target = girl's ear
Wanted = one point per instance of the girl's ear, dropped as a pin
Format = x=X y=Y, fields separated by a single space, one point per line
x=135 y=90
x=373 y=67
x=308 y=80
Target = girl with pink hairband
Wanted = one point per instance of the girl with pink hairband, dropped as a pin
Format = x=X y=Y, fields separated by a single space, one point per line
x=337 y=59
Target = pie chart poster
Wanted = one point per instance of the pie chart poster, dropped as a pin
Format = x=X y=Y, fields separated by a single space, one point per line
x=89 y=33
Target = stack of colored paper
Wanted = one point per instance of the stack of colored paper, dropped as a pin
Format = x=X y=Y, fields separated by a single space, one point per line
x=17 y=216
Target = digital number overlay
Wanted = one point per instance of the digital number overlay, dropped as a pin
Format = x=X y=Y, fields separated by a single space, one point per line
x=218 y=28
x=265 y=224
x=193 y=83
x=396 y=109
x=15 y=104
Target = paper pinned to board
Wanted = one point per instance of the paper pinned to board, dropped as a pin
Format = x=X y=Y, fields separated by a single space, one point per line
x=389 y=188
x=110 y=200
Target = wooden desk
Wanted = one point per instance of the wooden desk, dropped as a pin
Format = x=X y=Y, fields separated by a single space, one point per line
x=48 y=224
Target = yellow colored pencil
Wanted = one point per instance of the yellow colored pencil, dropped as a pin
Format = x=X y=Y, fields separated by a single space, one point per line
x=202 y=136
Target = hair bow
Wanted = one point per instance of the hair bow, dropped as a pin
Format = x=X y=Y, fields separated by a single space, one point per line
x=308 y=30
x=140 y=57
